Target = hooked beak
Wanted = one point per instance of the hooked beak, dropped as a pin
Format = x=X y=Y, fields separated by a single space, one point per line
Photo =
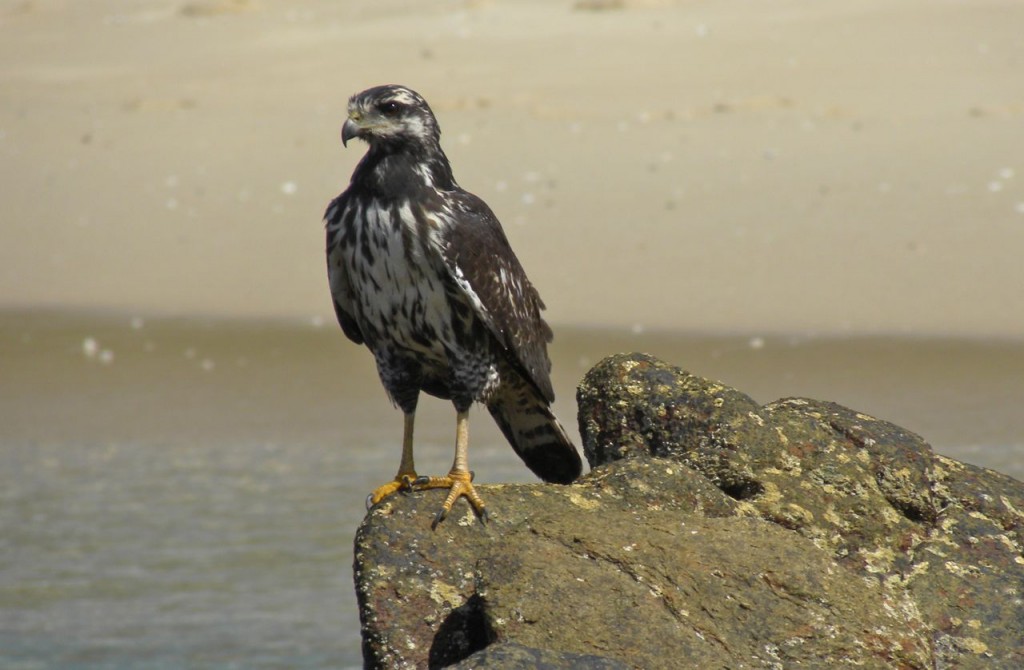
x=348 y=131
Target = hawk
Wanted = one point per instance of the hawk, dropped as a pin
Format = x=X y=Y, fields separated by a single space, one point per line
x=422 y=274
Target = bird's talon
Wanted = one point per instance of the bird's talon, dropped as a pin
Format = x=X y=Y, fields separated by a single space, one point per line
x=401 y=482
x=459 y=484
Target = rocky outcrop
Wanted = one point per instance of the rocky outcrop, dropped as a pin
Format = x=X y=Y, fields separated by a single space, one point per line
x=712 y=532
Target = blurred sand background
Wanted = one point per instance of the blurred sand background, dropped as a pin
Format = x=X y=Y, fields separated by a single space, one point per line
x=802 y=166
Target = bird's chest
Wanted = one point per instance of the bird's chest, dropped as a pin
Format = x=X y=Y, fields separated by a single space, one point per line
x=399 y=279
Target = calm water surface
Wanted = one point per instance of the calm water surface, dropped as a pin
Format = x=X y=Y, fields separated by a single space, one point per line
x=185 y=493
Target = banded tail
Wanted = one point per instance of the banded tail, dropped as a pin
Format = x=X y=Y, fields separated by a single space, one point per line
x=525 y=418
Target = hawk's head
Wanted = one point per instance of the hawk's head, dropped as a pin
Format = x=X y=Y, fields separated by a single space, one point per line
x=389 y=115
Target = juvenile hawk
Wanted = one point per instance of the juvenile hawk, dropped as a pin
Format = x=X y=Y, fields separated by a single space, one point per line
x=422 y=273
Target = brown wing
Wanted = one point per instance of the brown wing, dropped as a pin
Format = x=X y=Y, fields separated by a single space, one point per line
x=337 y=274
x=481 y=260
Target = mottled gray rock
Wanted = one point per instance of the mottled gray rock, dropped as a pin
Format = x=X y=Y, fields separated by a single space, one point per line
x=512 y=656
x=945 y=535
x=601 y=568
x=712 y=533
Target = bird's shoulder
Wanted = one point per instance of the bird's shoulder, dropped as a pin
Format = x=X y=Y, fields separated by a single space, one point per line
x=474 y=232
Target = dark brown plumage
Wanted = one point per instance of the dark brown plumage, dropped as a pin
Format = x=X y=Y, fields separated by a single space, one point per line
x=423 y=275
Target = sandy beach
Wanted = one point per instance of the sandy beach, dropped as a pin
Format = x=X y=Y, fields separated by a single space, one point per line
x=781 y=166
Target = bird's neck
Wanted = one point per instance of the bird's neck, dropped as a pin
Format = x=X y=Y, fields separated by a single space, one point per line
x=390 y=172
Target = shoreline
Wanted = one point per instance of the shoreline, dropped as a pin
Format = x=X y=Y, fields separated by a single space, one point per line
x=754 y=336
x=242 y=378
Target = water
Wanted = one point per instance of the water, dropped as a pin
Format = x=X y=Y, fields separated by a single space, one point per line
x=185 y=493
x=141 y=555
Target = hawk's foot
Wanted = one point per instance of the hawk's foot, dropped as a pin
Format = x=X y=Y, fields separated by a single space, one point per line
x=403 y=481
x=459 y=483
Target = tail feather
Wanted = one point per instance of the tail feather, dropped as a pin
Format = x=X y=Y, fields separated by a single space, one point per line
x=525 y=418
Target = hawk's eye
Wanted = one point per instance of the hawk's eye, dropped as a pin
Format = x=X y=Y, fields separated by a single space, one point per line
x=388 y=108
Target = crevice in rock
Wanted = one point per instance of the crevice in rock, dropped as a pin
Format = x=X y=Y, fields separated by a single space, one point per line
x=912 y=513
x=741 y=489
x=463 y=633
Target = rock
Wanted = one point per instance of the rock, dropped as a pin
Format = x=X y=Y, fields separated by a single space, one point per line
x=512 y=656
x=711 y=532
x=943 y=536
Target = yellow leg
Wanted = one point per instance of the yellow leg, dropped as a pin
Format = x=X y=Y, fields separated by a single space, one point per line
x=459 y=481
x=406 y=476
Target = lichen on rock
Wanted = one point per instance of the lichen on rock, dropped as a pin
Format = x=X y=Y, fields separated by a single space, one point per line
x=714 y=530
